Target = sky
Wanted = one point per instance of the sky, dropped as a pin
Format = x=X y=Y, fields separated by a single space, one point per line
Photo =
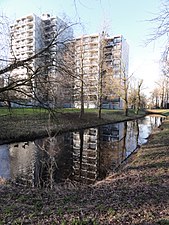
x=131 y=18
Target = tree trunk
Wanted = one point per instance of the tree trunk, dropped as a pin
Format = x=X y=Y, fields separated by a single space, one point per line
x=100 y=112
x=126 y=110
x=82 y=101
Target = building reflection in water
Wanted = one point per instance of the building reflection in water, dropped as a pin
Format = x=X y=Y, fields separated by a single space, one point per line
x=111 y=147
x=22 y=157
x=85 y=155
x=4 y=162
x=96 y=151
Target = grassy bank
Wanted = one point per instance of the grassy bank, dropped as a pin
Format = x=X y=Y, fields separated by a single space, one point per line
x=136 y=194
x=28 y=124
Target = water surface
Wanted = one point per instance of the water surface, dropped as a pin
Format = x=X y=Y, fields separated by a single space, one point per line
x=84 y=155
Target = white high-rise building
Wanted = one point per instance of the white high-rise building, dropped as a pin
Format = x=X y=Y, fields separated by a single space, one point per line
x=26 y=40
x=96 y=54
x=116 y=56
x=87 y=69
x=30 y=35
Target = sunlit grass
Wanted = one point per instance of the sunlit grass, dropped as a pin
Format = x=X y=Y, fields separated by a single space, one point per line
x=161 y=111
x=21 y=111
x=35 y=111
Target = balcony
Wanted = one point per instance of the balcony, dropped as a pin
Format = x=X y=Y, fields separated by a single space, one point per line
x=29 y=31
x=29 y=34
x=108 y=51
x=29 y=27
x=29 y=50
x=117 y=55
x=29 y=43
x=108 y=58
x=93 y=62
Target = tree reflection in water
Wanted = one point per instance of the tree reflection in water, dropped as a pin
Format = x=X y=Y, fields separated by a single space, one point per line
x=85 y=155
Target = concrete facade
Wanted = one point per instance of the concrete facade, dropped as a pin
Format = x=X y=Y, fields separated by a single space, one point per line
x=96 y=54
x=29 y=36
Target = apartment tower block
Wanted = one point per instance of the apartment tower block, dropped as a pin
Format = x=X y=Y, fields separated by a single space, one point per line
x=29 y=36
x=100 y=55
x=99 y=63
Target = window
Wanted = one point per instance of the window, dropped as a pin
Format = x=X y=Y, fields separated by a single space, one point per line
x=117 y=39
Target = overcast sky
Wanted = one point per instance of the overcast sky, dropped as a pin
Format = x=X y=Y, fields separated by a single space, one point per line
x=126 y=17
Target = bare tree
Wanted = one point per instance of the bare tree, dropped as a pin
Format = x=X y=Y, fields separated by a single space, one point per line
x=155 y=97
x=164 y=62
x=137 y=99
x=121 y=85
x=132 y=98
x=50 y=65
x=161 y=29
x=138 y=96
x=102 y=71
x=125 y=98
x=161 y=22
x=160 y=93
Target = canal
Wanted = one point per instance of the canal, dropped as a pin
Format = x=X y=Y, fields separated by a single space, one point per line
x=84 y=156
